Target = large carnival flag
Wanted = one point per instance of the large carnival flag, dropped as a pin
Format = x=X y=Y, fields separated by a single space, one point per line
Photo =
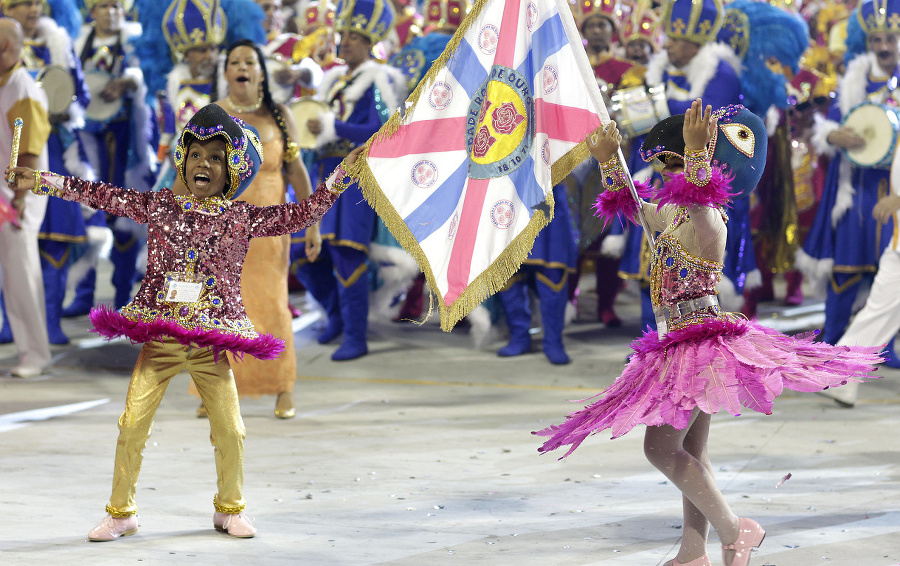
x=464 y=178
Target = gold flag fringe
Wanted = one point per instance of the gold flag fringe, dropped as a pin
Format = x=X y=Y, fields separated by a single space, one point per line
x=494 y=278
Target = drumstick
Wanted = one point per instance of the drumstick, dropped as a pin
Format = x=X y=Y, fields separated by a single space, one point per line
x=14 y=155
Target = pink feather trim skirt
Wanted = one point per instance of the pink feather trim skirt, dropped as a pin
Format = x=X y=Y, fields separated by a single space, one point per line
x=722 y=364
x=110 y=324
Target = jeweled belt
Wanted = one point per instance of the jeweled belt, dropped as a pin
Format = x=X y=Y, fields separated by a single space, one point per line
x=667 y=313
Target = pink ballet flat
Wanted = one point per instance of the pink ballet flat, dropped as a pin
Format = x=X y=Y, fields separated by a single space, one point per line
x=111 y=528
x=236 y=525
x=702 y=561
x=750 y=536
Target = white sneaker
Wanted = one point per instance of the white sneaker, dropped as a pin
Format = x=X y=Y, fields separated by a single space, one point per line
x=845 y=395
x=111 y=528
x=26 y=372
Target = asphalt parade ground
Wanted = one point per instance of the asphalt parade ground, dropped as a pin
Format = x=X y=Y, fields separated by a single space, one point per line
x=420 y=454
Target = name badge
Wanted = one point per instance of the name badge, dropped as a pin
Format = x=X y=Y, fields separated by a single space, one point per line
x=182 y=291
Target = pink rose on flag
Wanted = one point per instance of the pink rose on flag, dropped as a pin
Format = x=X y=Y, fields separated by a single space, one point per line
x=506 y=118
x=483 y=142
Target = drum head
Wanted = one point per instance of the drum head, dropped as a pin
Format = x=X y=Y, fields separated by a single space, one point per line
x=57 y=82
x=100 y=110
x=878 y=126
x=305 y=109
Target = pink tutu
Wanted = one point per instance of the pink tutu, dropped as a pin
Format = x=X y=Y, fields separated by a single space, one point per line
x=720 y=364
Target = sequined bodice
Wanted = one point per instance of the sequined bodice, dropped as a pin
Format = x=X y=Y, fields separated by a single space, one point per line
x=678 y=276
x=678 y=280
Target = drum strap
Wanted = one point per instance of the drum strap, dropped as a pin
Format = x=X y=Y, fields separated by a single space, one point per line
x=116 y=52
x=340 y=91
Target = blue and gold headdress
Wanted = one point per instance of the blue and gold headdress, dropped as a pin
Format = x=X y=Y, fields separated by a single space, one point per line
x=243 y=150
x=371 y=18
x=879 y=16
x=194 y=23
x=693 y=20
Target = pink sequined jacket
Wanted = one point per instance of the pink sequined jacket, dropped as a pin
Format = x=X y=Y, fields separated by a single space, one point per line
x=198 y=241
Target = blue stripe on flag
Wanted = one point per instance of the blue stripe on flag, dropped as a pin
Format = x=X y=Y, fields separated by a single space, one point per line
x=546 y=41
x=526 y=184
x=434 y=212
x=467 y=69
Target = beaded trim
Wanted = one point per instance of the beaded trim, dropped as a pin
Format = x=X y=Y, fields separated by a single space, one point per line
x=697 y=168
x=113 y=512
x=47 y=183
x=340 y=180
x=613 y=174
x=211 y=206
x=226 y=509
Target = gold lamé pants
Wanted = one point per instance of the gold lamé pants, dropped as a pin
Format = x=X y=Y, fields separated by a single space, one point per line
x=157 y=364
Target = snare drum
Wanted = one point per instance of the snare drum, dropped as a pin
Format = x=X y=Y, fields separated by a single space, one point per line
x=100 y=110
x=637 y=109
x=879 y=126
x=59 y=85
x=305 y=109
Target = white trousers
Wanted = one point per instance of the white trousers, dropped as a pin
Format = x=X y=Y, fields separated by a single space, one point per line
x=23 y=286
x=879 y=319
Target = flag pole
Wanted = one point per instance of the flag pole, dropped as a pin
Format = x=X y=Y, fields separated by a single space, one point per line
x=651 y=239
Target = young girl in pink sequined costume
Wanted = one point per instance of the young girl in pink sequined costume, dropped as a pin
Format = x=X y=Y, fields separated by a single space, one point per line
x=702 y=359
x=188 y=309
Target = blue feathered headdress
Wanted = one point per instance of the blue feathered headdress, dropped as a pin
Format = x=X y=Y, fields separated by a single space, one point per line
x=66 y=15
x=856 y=38
x=757 y=31
x=151 y=47
x=245 y=19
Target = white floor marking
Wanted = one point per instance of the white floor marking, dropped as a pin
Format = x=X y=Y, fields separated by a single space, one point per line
x=13 y=421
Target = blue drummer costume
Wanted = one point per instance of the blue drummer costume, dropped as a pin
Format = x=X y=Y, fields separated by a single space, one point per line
x=845 y=241
x=713 y=75
x=62 y=235
x=360 y=101
x=118 y=147
x=612 y=75
x=768 y=40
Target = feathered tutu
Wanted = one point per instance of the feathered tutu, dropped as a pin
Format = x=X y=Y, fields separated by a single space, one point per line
x=719 y=364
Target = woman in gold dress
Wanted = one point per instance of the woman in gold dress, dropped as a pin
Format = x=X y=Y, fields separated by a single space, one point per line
x=264 y=277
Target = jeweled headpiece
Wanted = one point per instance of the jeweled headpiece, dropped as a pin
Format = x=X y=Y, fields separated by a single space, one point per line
x=371 y=18
x=243 y=150
x=194 y=23
x=643 y=24
x=583 y=10
x=738 y=145
x=445 y=14
x=318 y=14
x=879 y=16
x=693 y=20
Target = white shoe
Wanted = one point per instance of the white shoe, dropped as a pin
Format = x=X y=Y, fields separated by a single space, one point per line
x=111 y=528
x=26 y=372
x=845 y=395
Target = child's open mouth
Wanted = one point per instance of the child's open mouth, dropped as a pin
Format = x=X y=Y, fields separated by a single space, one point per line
x=243 y=79
x=201 y=180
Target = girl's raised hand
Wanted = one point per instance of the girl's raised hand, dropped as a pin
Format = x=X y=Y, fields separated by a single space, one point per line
x=604 y=142
x=24 y=178
x=351 y=157
x=699 y=126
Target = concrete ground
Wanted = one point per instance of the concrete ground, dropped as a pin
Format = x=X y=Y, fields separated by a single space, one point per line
x=420 y=454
